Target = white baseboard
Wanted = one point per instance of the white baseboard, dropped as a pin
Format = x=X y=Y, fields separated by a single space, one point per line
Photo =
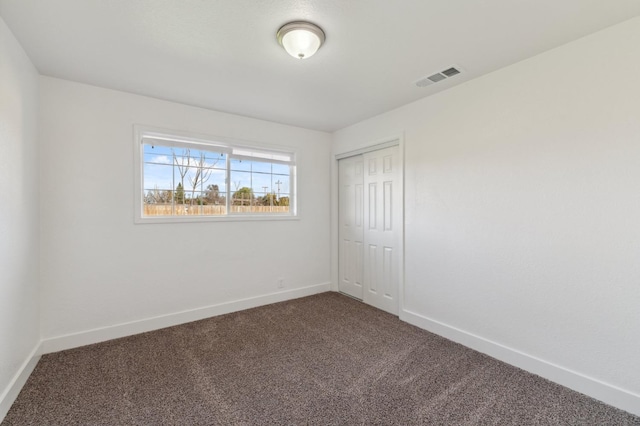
x=12 y=390
x=605 y=392
x=88 y=337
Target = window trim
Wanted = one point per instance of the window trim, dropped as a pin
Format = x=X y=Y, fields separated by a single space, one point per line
x=227 y=145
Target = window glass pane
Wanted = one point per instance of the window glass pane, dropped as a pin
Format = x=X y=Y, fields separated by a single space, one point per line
x=281 y=184
x=240 y=165
x=281 y=169
x=157 y=177
x=260 y=167
x=182 y=181
x=240 y=180
x=262 y=183
x=215 y=160
x=157 y=181
x=257 y=189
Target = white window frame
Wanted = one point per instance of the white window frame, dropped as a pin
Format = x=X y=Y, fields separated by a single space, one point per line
x=234 y=149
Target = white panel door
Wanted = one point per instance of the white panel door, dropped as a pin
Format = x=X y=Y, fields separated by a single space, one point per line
x=382 y=228
x=350 y=221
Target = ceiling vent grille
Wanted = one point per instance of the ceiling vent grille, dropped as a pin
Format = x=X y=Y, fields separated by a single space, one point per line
x=437 y=77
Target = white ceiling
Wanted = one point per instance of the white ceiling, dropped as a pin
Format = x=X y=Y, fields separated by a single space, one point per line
x=223 y=54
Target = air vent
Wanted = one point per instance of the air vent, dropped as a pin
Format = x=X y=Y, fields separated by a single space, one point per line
x=423 y=82
x=450 y=72
x=437 y=77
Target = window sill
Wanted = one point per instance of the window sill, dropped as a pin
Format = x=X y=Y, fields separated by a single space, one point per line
x=205 y=219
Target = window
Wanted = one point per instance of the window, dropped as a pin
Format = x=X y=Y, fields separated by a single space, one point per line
x=191 y=179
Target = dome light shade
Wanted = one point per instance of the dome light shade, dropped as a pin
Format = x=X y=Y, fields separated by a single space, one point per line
x=300 y=39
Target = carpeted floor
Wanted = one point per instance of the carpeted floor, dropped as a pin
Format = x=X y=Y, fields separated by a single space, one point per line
x=324 y=359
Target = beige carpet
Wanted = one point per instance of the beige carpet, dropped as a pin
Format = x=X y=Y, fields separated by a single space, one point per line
x=324 y=360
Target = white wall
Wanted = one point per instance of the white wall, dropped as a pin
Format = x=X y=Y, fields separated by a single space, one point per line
x=19 y=330
x=99 y=269
x=522 y=204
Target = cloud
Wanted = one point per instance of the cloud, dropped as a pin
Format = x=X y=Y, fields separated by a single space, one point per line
x=161 y=159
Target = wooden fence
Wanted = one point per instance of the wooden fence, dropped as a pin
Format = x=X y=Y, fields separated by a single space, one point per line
x=207 y=210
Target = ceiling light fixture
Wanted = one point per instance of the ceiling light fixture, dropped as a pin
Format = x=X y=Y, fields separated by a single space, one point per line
x=300 y=39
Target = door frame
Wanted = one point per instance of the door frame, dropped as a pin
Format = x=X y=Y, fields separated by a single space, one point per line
x=357 y=149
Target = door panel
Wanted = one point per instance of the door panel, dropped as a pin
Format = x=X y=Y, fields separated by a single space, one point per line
x=373 y=208
x=371 y=277
x=387 y=267
x=388 y=206
x=383 y=230
x=350 y=221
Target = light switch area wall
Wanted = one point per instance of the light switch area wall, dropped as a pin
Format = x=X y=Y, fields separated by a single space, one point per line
x=522 y=210
x=99 y=269
x=19 y=324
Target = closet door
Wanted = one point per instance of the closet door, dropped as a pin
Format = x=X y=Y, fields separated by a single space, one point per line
x=382 y=228
x=351 y=229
